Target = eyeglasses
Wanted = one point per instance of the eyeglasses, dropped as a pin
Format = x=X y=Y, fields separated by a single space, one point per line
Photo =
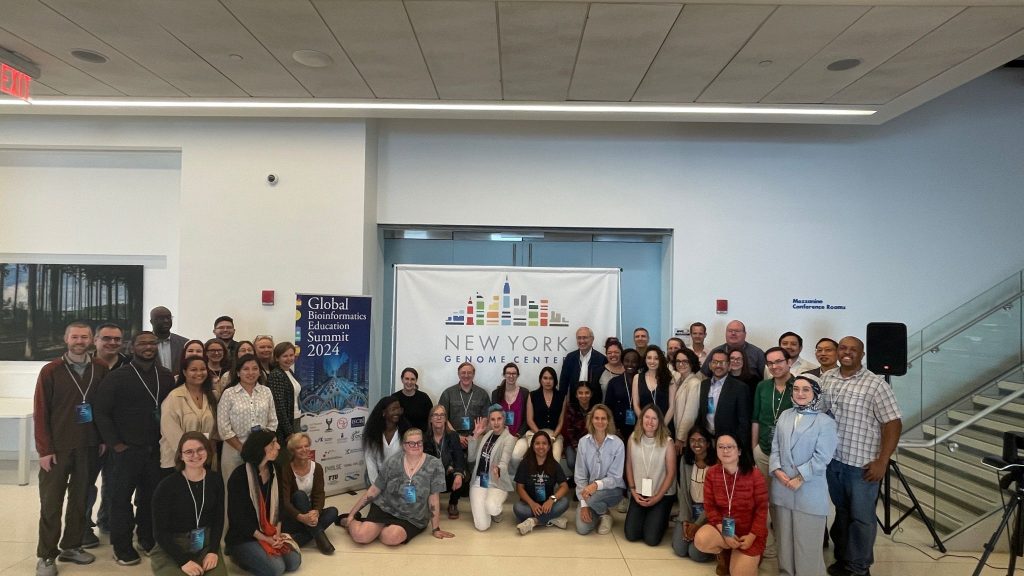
x=414 y=444
x=726 y=447
x=678 y=362
x=719 y=362
x=110 y=338
x=439 y=415
x=196 y=452
x=773 y=364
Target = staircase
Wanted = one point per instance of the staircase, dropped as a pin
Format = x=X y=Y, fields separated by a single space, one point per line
x=980 y=352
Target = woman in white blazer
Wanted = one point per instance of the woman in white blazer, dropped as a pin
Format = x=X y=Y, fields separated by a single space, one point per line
x=490 y=477
x=803 y=445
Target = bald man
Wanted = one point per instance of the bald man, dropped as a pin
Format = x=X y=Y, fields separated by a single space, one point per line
x=582 y=364
x=168 y=345
x=736 y=339
x=869 y=425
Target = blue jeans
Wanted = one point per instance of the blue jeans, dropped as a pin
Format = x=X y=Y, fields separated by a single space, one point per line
x=686 y=549
x=303 y=533
x=599 y=504
x=251 y=558
x=522 y=511
x=854 y=528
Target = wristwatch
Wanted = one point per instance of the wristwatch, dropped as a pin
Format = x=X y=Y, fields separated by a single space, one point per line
x=554 y=498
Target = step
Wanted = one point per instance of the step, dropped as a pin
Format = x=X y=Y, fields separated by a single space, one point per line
x=1009 y=387
x=1014 y=408
x=990 y=423
x=987 y=444
x=967 y=470
x=968 y=498
x=977 y=481
x=944 y=523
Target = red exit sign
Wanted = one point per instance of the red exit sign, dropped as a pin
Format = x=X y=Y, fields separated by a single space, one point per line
x=14 y=82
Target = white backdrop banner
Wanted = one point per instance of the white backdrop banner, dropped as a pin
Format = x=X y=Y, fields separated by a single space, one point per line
x=493 y=315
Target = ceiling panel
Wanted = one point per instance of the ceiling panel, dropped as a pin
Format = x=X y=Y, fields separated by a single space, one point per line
x=704 y=39
x=619 y=43
x=379 y=39
x=213 y=33
x=56 y=73
x=965 y=35
x=285 y=27
x=54 y=33
x=539 y=42
x=40 y=89
x=879 y=35
x=148 y=44
x=459 y=41
x=786 y=40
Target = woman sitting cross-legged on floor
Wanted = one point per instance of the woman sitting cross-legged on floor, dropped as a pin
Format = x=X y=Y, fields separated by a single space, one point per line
x=542 y=487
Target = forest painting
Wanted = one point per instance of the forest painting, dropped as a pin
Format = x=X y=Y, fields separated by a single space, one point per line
x=38 y=300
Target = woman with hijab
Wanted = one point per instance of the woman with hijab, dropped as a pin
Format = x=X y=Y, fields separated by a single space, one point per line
x=804 y=443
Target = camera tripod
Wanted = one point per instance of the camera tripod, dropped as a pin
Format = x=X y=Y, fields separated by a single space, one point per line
x=1016 y=504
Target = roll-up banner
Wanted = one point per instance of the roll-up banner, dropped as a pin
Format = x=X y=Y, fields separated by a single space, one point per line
x=333 y=334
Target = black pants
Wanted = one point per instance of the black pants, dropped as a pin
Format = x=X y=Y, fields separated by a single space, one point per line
x=137 y=469
x=68 y=475
x=648 y=523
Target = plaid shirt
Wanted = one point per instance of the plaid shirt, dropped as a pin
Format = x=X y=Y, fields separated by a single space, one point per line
x=861 y=404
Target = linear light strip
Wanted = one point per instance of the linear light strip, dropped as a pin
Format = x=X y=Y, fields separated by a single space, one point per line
x=448 y=107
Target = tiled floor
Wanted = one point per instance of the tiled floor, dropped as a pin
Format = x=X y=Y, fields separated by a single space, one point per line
x=501 y=550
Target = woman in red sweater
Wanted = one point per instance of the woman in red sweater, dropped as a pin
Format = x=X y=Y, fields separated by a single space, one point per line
x=736 y=506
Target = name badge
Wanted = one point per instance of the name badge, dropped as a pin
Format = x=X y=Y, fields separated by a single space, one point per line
x=409 y=494
x=646 y=487
x=510 y=418
x=711 y=405
x=196 y=539
x=729 y=527
x=630 y=417
x=255 y=428
x=466 y=423
x=83 y=413
x=697 y=510
x=485 y=480
x=540 y=491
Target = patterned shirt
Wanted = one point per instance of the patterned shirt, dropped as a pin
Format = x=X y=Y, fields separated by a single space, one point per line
x=861 y=404
x=238 y=413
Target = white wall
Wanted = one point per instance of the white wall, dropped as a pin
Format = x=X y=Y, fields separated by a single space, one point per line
x=901 y=222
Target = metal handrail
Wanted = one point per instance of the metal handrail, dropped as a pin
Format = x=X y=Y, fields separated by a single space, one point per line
x=970 y=421
x=966 y=326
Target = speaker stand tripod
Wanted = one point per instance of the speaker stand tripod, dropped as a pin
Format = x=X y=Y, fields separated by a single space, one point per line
x=1016 y=504
x=885 y=493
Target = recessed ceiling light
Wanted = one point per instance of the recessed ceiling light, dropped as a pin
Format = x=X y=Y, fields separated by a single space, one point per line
x=90 y=56
x=312 y=58
x=236 y=57
x=764 y=63
x=844 y=64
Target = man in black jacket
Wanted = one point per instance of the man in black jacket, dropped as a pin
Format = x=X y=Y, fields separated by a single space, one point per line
x=724 y=401
x=582 y=365
x=128 y=417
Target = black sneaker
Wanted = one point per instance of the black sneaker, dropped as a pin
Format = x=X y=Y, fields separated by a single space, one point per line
x=129 y=559
x=146 y=547
x=836 y=569
x=89 y=539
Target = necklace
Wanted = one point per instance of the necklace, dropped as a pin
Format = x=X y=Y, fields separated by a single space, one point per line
x=410 y=471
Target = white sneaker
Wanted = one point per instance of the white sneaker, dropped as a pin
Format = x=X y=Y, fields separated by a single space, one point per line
x=623 y=506
x=560 y=522
x=526 y=526
x=605 y=525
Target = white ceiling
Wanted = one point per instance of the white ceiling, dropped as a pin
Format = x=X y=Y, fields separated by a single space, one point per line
x=707 y=53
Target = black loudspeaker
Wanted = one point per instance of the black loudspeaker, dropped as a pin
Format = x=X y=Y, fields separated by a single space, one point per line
x=887 y=348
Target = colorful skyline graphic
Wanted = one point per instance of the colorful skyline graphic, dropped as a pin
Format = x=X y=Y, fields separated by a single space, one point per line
x=505 y=310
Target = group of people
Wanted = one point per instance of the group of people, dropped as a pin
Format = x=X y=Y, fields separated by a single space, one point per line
x=748 y=447
x=190 y=439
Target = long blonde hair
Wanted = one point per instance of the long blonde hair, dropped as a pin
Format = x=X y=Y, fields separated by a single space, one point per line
x=660 y=435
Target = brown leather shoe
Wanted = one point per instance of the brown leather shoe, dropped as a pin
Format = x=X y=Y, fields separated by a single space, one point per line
x=724 y=557
x=453 y=511
x=323 y=544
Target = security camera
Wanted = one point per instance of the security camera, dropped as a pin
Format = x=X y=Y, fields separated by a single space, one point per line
x=271 y=179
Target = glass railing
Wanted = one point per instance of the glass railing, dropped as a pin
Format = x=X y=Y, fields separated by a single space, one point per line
x=962 y=351
x=954 y=488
